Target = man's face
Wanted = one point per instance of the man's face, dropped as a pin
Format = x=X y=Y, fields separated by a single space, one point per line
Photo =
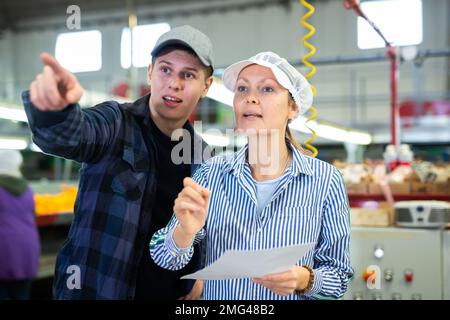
x=177 y=81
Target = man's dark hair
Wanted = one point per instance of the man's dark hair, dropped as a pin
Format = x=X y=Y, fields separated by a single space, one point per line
x=176 y=46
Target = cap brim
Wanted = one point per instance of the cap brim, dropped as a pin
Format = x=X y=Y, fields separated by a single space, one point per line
x=231 y=73
x=161 y=46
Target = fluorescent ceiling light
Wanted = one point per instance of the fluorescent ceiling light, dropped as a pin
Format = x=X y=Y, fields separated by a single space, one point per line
x=219 y=93
x=13 y=143
x=13 y=114
x=332 y=132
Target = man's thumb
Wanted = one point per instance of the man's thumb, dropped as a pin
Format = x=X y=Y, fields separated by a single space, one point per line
x=74 y=95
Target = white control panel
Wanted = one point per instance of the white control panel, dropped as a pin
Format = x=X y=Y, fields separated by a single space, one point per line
x=399 y=264
x=446 y=263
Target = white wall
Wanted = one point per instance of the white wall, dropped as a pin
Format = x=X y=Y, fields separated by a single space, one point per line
x=6 y=67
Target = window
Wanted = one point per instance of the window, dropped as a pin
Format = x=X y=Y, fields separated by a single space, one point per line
x=144 y=39
x=400 y=21
x=80 y=51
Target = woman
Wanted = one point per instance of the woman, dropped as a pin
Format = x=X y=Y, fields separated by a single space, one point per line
x=257 y=200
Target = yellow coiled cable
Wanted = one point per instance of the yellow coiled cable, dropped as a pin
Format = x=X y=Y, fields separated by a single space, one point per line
x=312 y=51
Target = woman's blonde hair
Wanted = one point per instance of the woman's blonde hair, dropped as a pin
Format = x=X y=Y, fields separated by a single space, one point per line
x=289 y=136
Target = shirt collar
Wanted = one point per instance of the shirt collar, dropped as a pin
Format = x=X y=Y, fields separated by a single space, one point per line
x=300 y=163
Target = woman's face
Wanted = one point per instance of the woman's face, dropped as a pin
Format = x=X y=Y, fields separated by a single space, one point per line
x=260 y=102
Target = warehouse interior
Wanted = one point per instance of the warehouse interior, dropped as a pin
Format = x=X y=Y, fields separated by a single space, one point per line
x=383 y=112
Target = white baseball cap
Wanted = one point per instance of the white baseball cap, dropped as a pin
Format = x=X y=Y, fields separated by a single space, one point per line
x=286 y=75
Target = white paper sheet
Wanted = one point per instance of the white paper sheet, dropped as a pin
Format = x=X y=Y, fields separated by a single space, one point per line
x=248 y=264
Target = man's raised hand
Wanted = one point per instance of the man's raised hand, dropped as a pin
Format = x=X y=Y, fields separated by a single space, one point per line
x=55 y=87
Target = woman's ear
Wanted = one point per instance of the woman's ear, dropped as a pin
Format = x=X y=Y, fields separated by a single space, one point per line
x=293 y=110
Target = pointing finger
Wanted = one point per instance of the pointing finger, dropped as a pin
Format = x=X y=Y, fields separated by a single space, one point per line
x=51 y=89
x=50 y=61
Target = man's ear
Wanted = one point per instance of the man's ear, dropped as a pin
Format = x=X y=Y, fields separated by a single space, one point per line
x=149 y=73
x=208 y=83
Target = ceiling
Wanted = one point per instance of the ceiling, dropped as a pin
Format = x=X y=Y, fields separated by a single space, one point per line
x=13 y=13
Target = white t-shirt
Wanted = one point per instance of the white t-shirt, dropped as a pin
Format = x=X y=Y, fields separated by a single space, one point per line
x=264 y=192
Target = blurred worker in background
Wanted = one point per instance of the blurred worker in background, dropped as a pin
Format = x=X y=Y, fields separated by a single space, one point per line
x=19 y=238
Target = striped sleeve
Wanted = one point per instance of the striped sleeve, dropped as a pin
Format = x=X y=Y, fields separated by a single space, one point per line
x=332 y=269
x=163 y=249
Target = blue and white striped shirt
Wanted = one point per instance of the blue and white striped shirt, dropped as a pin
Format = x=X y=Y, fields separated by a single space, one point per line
x=309 y=206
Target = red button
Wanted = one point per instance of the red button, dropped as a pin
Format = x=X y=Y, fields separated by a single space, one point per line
x=409 y=277
x=366 y=275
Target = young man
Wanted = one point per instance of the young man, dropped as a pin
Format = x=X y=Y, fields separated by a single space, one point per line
x=128 y=180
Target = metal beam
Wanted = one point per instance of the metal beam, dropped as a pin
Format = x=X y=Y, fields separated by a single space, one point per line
x=423 y=54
